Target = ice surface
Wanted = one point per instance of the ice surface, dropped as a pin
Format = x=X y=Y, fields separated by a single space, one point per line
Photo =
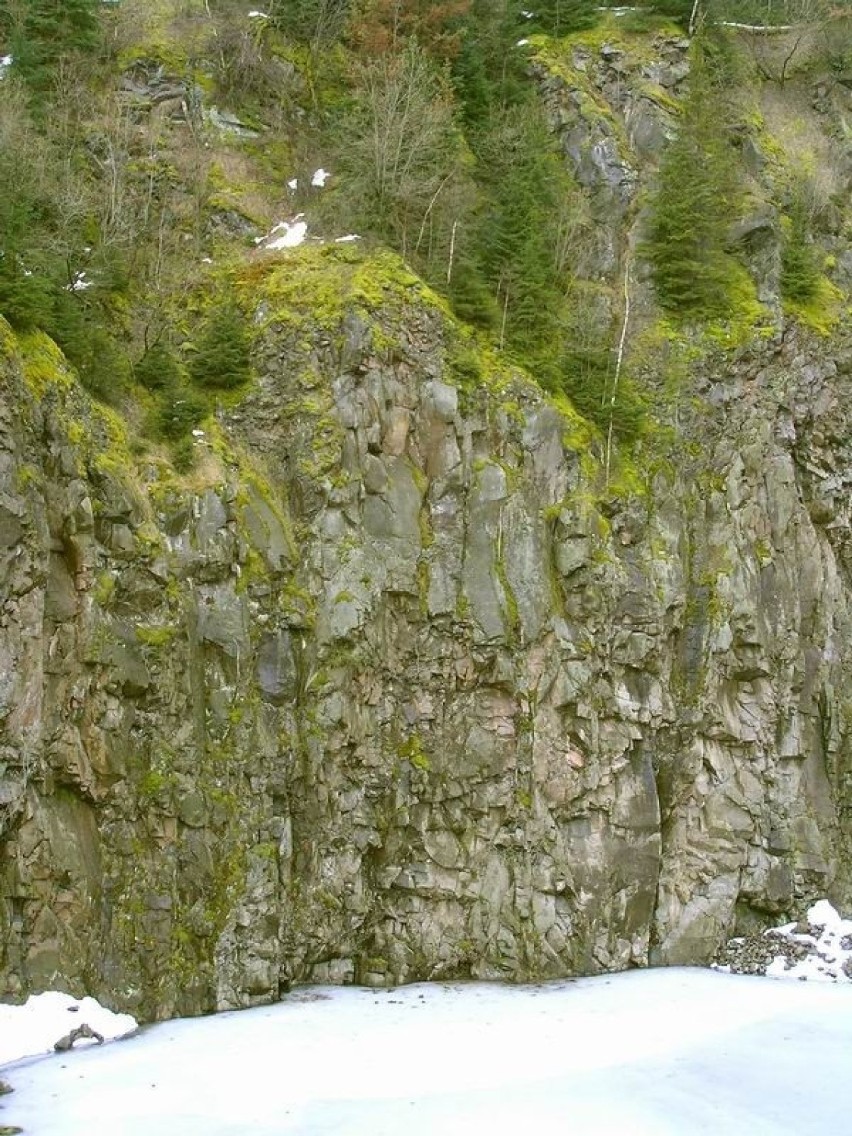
x=648 y=1053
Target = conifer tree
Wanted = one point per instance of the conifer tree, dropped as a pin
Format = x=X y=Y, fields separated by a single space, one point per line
x=40 y=32
x=561 y=17
x=523 y=178
x=222 y=356
x=800 y=268
x=696 y=199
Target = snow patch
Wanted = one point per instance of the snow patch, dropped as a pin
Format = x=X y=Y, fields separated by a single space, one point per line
x=293 y=184
x=292 y=236
x=347 y=239
x=819 y=948
x=292 y=233
x=35 y=1027
x=258 y=15
x=80 y=283
x=320 y=177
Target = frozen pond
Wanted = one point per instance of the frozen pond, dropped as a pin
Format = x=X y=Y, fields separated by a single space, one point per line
x=647 y=1053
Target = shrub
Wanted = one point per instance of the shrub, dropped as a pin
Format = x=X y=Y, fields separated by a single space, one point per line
x=158 y=369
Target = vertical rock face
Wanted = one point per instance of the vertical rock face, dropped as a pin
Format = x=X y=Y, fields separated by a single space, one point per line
x=394 y=686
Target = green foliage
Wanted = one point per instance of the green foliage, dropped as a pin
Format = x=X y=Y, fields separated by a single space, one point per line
x=590 y=384
x=472 y=297
x=158 y=369
x=25 y=298
x=800 y=262
x=697 y=198
x=181 y=408
x=39 y=33
x=28 y=211
x=221 y=358
x=314 y=22
x=101 y=360
x=676 y=9
x=561 y=17
x=523 y=176
x=488 y=72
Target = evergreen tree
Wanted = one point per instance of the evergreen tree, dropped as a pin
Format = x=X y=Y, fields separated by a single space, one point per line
x=40 y=32
x=561 y=17
x=180 y=409
x=696 y=199
x=800 y=267
x=158 y=369
x=488 y=72
x=28 y=275
x=222 y=354
x=523 y=176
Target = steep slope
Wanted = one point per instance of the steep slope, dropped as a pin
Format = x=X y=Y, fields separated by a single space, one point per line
x=415 y=673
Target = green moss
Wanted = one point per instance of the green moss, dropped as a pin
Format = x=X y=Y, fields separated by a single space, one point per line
x=639 y=47
x=28 y=476
x=154 y=783
x=578 y=435
x=43 y=364
x=748 y=318
x=104 y=588
x=763 y=552
x=824 y=312
x=8 y=339
x=556 y=56
x=149 y=540
x=523 y=799
x=156 y=635
x=510 y=608
x=513 y=412
x=659 y=95
x=412 y=750
x=423 y=584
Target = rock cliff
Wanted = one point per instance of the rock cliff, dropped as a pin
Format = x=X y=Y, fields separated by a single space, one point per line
x=406 y=679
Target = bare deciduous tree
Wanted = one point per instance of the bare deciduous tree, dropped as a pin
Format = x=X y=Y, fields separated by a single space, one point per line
x=401 y=157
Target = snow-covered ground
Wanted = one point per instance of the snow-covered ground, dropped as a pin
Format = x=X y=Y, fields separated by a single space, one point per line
x=647 y=1053
x=36 y=1026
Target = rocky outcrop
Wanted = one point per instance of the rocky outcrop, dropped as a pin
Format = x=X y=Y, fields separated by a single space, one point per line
x=407 y=679
x=396 y=685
